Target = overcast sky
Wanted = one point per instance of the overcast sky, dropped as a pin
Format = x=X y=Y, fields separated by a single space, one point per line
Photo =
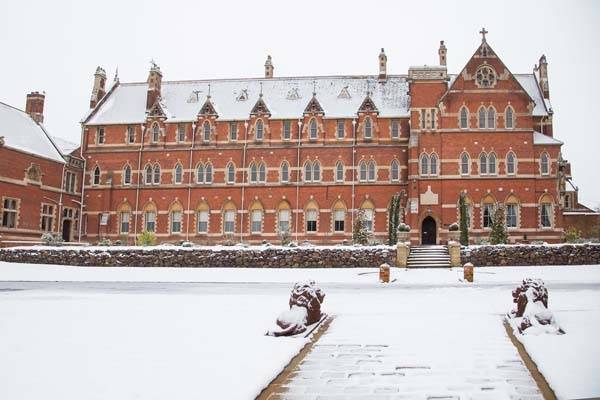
x=55 y=46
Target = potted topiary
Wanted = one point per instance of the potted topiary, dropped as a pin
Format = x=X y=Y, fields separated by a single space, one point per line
x=453 y=232
x=403 y=232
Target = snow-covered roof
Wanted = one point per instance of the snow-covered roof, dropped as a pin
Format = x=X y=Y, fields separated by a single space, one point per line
x=532 y=88
x=233 y=99
x=22 y=133
x=539 y=138
x=65 y=146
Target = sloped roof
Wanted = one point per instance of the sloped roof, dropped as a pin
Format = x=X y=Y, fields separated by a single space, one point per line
x=22 y=133
x=530 y=84
x=65 y=146
x=539 y=138
x=127 y=103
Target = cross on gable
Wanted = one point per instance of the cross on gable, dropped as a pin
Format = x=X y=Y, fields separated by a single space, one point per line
x=483 y=33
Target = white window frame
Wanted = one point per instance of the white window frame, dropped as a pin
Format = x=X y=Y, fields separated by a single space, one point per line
x=203 y=217
x=124 y=221
x=259 y=130
x=395 y=171
x=284 y=172
x=176 y=222
x=339 y=172
x=311 y=216
x=178 y=174
x=229 y=221
x=47 y=217
x=256 y=218
x=313 y=129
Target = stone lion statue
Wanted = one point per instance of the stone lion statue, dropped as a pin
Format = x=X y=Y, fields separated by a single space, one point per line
x=530 y=313
x=305 y=309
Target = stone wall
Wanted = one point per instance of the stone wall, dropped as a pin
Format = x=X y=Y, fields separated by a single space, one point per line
x=264 y=257
x=566 y=254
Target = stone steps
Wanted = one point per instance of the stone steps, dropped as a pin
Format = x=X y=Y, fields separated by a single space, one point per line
x=431 y=256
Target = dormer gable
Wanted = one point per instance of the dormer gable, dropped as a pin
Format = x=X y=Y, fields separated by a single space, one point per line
x=208 y=109
x=368 y=105
x=313 y=106
x=260 y=108
x=157 y=110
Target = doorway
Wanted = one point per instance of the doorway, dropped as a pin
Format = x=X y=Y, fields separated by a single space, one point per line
x=66 y=230
x=428 y=231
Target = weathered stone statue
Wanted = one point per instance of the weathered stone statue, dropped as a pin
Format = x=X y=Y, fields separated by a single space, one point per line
x=530 y=314
x=305 y=309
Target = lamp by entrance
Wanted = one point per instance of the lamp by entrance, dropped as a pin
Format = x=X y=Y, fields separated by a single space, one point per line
x=428 y=231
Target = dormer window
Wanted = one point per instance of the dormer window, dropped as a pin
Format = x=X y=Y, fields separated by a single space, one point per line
x=313 y=129
x=260 y=130
x=155 y=132
x=206 y=131
x=368 y=128
x=243 y=96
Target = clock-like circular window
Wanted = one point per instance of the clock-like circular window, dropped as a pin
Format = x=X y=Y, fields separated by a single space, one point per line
x=485 y=76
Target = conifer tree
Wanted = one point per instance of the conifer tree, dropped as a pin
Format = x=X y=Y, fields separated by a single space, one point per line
x=463 y=223
x=498 y=235
x=360 y=235
x=393 y=219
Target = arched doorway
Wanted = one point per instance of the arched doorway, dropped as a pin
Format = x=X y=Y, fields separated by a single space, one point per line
x=66 y=230
x=428 y=231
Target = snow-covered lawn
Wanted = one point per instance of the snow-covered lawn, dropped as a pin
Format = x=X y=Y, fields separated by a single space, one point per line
x=154 y=333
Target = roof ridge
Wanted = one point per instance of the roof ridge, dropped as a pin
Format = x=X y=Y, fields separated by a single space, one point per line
x=280 y=78
x=13 y=107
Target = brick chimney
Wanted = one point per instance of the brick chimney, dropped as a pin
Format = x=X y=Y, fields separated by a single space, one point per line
x=35 y=106
x=543 y=71
x=442 y=53
x=382 y=65
x=269 y=67
x=98 y=91
x=154 y=85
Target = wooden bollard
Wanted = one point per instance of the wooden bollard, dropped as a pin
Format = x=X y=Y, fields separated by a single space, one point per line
x=468 y=272
x=384 y=273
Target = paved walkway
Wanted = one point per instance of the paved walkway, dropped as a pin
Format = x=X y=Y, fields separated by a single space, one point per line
x=365 y=357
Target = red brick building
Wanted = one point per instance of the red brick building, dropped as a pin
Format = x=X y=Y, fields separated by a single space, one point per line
x=40 y=177
x=247 y=159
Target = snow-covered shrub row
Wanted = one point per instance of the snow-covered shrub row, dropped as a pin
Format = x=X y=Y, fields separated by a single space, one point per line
x=516 y=255
x=205 y=256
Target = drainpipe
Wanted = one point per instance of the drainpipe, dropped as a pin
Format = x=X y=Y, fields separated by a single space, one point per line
x=243 y=181
x=353 y=169
x=137 y=187
x=189 y=199
x=82 y=184
x=60 y=199
x=298 y=178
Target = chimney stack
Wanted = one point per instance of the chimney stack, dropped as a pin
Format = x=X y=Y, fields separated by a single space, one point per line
x=154 y=85
x=382 y=65
x=98 y=91
x=442 y=53
x=543 y=71
x=269 y=67
x=35 y=106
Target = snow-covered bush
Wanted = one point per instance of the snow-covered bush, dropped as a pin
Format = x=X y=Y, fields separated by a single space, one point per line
x=187 y=244
x=105 y=242
x=147 y=238
x=482 y=241
x=572 y=235
x=52 y=239
x=453 y=227
x=530 y=314
x=402 y=227
x=118 y=242
x=284 y=236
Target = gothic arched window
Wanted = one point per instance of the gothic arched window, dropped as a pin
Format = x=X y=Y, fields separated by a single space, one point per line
x=491 y=118
x=465 y=164
x=96 y=178
x=313 y=129
x=372 y=171
x=482 y=117
x=155 y=132
x=395 y=171
x=178 y=174
x=284 y=173
x=368 y=128
x=433 y=165
x=206 y=131
x=156 y=179
x=316 y=171
x=148 y=175
x=464 y=118
x=491 y=164
x=509 y=118
x=424 y=165
x=511 y=163
x=230 y=173
x=308 y=172
x=253 y=173
x=200 y=174
x=262 y=173
x=127 y=175
x=483 y=164
x=260 y=130
x=339 y=171
x=362 y=168
x=544 y=164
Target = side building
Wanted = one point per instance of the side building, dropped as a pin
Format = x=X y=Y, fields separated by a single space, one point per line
x=40 y=178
